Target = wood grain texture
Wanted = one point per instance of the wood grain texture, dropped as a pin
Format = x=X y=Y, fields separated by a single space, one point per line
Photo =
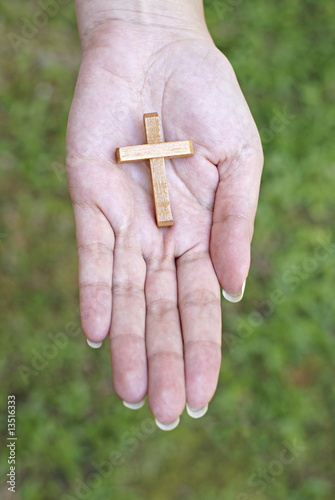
x=155 y=151
x=158 y=175
x=177 y=149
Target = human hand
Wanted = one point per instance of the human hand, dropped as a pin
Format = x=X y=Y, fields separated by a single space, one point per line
x=155 y=291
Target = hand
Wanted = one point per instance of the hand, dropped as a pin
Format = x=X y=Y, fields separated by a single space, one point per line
x=156 y=291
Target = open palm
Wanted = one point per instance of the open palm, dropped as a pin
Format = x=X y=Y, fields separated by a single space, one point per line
x=156 y=291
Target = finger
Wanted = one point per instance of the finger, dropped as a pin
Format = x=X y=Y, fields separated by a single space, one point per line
x=200 y=313
x=166 y=387
x=95 y=240
x=127 y=335
x=233 y=221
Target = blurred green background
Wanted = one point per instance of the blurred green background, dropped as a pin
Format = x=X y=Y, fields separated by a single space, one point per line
x=276 y=389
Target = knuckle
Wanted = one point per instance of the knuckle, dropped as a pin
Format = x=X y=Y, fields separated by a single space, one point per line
x=127 y=287
x=96 y=248
x=204 y=343
x=200 y=297
x=194 y=256
x=94 y=284
x=161 y=306
x=234 y=216
x=166 y=354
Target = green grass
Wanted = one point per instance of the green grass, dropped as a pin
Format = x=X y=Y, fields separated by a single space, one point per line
x=277 y=377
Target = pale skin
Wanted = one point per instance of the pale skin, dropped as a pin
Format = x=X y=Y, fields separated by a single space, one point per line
x=155 y=292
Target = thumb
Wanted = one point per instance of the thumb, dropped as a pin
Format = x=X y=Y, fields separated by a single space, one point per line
x=233 y=220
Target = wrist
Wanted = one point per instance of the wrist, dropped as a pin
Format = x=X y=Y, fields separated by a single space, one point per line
x=100 y=15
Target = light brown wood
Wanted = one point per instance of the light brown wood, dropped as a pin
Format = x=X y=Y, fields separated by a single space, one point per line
x=155 y=151
x=158 y=174
x=177 y=149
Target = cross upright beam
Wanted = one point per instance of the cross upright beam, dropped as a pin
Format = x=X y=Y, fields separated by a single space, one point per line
x=156 y=151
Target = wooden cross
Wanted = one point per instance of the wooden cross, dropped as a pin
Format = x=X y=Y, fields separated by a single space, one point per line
x=156 y=151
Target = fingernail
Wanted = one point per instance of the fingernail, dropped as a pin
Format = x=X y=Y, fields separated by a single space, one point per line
x=134 y=406
x=94 y=345
x=234 y=298
x=167 y=427
x=196 y=413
